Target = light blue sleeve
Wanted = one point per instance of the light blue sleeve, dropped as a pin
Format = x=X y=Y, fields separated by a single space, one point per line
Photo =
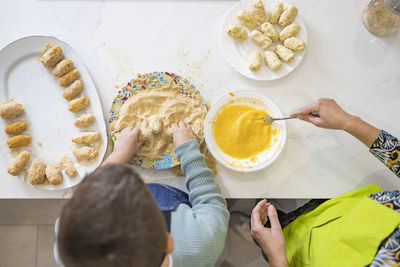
x=199 y=232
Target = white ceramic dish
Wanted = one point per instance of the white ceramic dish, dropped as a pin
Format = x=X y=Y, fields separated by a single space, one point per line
x=236 y=53
x=263 y=159
x=50 y=124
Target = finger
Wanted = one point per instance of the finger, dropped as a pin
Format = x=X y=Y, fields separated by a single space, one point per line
x=264 y=213
x=311 y=108
x=190 y=130
x=182 y=124
x=174 y=126
x=256 y=220
x=126 y=130
x=273 y=218
x=136 y=131
x=129 y=128
x=316 y=120
x=262 y=203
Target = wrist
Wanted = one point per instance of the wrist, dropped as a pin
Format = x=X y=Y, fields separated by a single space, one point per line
x=120 y=157
x=350 y=122
x=281 y=262
x=277 y=258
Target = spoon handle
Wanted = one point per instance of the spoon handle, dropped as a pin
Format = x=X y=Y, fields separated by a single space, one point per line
x=286 y=118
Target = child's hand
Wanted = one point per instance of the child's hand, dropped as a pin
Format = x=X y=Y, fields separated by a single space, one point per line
x=271 y=240
x=126 y=144
x=181 y=133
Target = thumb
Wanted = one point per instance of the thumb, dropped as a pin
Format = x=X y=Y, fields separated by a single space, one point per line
x=273 y=218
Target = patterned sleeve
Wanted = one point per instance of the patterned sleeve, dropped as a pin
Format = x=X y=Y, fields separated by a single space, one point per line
x=387 y=149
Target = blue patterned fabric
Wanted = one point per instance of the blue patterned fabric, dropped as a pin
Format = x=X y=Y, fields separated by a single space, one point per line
x=387 y=149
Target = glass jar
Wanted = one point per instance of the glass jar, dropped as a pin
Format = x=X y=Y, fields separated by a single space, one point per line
x=382 y=17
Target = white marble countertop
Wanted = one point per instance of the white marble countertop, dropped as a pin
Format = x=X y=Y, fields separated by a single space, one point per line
x=118 y=39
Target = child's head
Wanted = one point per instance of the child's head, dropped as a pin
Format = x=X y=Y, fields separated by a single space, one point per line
x=112 y=220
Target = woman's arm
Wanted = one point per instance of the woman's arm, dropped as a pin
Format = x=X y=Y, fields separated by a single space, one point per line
x=331 y=116
x=326 y=113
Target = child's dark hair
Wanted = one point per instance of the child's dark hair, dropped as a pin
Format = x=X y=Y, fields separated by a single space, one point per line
x=112 y=220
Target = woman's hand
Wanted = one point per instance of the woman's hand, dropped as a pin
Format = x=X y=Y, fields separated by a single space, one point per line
x=125 y=147
x=271 y=240
x=325 y=113
x=181 y=133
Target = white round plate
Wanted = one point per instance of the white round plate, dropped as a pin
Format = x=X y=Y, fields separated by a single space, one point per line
x=236 y=52
x=24 y=78
x=252 y=99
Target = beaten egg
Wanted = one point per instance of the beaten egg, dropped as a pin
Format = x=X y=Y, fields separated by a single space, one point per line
x=240 y=131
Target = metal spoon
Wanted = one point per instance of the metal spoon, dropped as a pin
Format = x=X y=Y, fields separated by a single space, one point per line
x=268 y=120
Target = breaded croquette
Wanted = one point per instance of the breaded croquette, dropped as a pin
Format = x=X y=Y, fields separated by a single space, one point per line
x=18 y=141
x=11 y=110
x=78 y=104
x=84 y=153
x=84 y=120
x=63 y=67
x=15 y=127
x=68 y=167
x=68 y=78
x=36 y=171
x=19 y=163
x=86 y=137
x=53 y=173
x=51 y=56
x=74 y=89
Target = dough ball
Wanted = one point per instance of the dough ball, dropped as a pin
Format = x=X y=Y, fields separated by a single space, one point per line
x=237 y=32
x=247 y=19
x=255 y=60
x=295 y=43
x=272 y=60
x=284 y=53
x=155 y=124
x=260 y=39
x=259 y=11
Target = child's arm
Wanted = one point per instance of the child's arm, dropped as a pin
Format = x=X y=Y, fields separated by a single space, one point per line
x=203 y=228
x=125 y=146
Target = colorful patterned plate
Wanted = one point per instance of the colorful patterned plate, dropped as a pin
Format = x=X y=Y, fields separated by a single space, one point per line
x=153 y=79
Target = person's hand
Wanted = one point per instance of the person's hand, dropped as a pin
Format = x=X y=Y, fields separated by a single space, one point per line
x=271 y=240
x=328 y=114
x=181 y=133
x=126 y=144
